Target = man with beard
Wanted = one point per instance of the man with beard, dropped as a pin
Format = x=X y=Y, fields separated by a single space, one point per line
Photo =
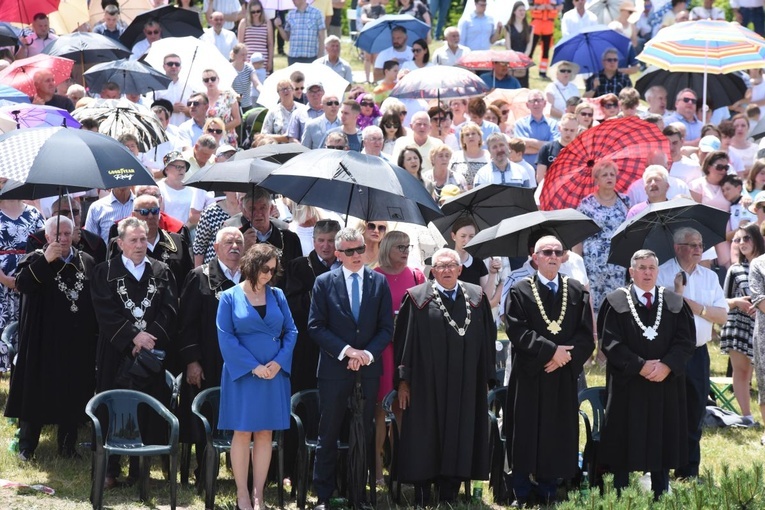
x=82 y=240
x=137 y=306
x=256 y=224
x=549 y=323
x=198 y=341
x=54 y=374
x=399 y=51
x=162 y=245
x=444 y=343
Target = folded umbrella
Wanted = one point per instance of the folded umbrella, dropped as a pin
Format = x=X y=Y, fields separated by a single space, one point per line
x=175 y=22
x=20 y=74
x=133 y=77
x=354 y=184
x=36 y=115
x=511 y=237
x=654 y=228
x=375 y=36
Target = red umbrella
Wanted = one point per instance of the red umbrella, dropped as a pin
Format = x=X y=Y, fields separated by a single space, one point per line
x=484 y=59
x=22 y=11
x=628 y=142
x=20 y=74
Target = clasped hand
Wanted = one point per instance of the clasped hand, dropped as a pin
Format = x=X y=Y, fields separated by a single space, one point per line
x=655 y=371
x=143 y=340
x=560 y=358
x=267 y=371
x=356 y=359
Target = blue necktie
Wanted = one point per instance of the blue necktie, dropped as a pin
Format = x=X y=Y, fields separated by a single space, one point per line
x=450 y=293
x=355 y=296
x=553 y=287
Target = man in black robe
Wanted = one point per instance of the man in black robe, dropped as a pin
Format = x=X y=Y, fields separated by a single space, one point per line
x=549 y=324
x=198 y=340
x=137 y=307
x=55 y=372
x=444 y=351
x=300 y=275
x=82 y=240
x=647 y=334
x=258 y=226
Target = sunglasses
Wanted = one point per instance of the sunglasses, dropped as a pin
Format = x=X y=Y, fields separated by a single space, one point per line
x=298 y=88
x=215 y=131
x=403 y=248
x=268 y=270
x=332 y=103
x=721 y=168
x=366 y=103
x=743 y=239
x=566 y=71
x=586 y=114
x=151 y=32
x=375 y=226
x=173 y=64
x=417 y=50
x=336 y=147
x=390 y=126
x=146 y=212
x=550 y=253
x=690 y=100
x=610 y=105
x=255 y=12
x=193 y=103
x=350 y=251
x=610 y=60
x=438 y=119
x=404 y=113
x=210 y=79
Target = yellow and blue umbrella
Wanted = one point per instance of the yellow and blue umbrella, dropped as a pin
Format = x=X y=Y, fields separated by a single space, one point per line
x=705 y=46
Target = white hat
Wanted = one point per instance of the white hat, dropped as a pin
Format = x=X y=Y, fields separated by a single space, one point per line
x=256 y=57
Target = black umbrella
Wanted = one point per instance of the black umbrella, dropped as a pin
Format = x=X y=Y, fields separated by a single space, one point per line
x=274 y=152
x=232 y=175
x=723 y=89
x=358 y=467
x=47 y=161
x=9 y=35
x=87 y=48
x=132 y=76
x=175 y=22
x=654 y=227
x=511 y=237
x=355 y=184
x=486 y=205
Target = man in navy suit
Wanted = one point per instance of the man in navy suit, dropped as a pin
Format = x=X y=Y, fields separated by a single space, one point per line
x=351 y=319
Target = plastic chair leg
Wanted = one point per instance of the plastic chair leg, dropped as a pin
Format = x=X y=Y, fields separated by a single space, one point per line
x=173 y=479
x=98 y=479
x=144 y=466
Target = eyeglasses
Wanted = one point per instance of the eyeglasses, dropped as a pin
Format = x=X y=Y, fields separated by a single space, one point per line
x=350 y=251
x=373 y=139
x=403 y=248
x=146 y=212
x=367 y=103
x=173 y=64
x=586 y=114
x=446 y=267
x=721 y=168
x=613 y=59
x=550 y=253
x=610 y=105
x=376 y=226
x=285 y=90
x=332 y=103
x=210 y=79
x=566 y=71
x=693 y=246
x=193 y=103
x=690 y=100
x=268 y=270
x=176 y=166
x=215 y=131
x=438 y=119
x=742 y=239
x=151 y=32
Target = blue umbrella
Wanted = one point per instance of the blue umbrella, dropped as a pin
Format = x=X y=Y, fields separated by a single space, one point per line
x=586 y=48
x=375 y=36
x=8 y=93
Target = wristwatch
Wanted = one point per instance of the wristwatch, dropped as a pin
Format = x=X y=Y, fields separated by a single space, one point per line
x=703 y=311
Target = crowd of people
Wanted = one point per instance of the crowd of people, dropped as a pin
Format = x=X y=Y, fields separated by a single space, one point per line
x=267 y=298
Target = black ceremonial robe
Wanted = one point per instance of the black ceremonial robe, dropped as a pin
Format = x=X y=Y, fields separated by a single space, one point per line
x=541 y=411
x=198 y=339
x=444 y=431
x=55 y=373
x=645 y=427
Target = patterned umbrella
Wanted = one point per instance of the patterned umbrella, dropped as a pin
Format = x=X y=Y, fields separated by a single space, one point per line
x=119 y=116
x=705 y=46
x=628 y=142
x=23 y=11
x=439 y=82
x=36 y=115
x=20 y=74
x=484 y=59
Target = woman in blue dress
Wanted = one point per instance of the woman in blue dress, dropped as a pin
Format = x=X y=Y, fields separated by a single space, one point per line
x=256 y=334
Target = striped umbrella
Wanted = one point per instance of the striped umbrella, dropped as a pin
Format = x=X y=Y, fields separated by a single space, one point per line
x=705 y=46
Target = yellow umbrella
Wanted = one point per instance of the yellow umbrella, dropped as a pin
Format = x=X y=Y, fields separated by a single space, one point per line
x=69 y=16
x=129 y=9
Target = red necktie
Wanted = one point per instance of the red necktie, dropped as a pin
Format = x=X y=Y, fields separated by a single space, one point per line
x=647 y=296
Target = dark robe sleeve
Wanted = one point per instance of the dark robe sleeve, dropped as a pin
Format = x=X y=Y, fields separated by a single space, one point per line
x=582 y=340
x=34 y=273
x=522 y=334
x=403 y=339
x=190 y=315
x=620 y=357
x=163 y=327
x=684 y=342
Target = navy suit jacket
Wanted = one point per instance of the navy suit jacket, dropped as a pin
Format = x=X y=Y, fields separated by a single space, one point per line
x=332 y=326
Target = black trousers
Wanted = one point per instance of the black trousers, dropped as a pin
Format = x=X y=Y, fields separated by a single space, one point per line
x=29 y=436
x=659 y=481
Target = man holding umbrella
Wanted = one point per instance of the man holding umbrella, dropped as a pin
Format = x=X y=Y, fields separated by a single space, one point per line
x=177 y=93
x=152 y=31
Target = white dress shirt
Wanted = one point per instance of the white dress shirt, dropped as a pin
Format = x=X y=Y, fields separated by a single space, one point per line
x=231 y=275
x=135 y=269
x=349 y=288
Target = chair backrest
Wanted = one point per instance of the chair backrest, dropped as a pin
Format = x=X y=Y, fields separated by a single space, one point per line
x=306 y=406
x=121 y=412
x=596 y=397
x=205 y=406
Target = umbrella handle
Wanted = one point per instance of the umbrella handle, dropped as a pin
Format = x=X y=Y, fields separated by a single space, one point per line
x=193 y=58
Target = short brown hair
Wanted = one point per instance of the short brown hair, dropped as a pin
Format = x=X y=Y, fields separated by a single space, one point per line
x=256 y=258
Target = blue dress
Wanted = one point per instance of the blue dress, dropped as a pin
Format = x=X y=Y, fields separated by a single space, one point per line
x=249 y=403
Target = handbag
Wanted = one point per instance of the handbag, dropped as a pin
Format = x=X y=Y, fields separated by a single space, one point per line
x=137 y=373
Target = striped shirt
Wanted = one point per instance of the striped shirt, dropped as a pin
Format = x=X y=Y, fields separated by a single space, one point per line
x=256 y=39
x=104 y=212
x=241 y=85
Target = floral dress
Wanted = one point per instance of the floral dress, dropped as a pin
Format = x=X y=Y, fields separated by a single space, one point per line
x=223 y=108
x=738 y=331
x=604 y=277
x=13 y=243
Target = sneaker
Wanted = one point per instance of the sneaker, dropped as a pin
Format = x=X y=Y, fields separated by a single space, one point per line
x=747 y=421
x=25 y=456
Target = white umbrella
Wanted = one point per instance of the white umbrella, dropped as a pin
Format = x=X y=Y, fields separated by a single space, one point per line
x=196 y=56
x=332 y=82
